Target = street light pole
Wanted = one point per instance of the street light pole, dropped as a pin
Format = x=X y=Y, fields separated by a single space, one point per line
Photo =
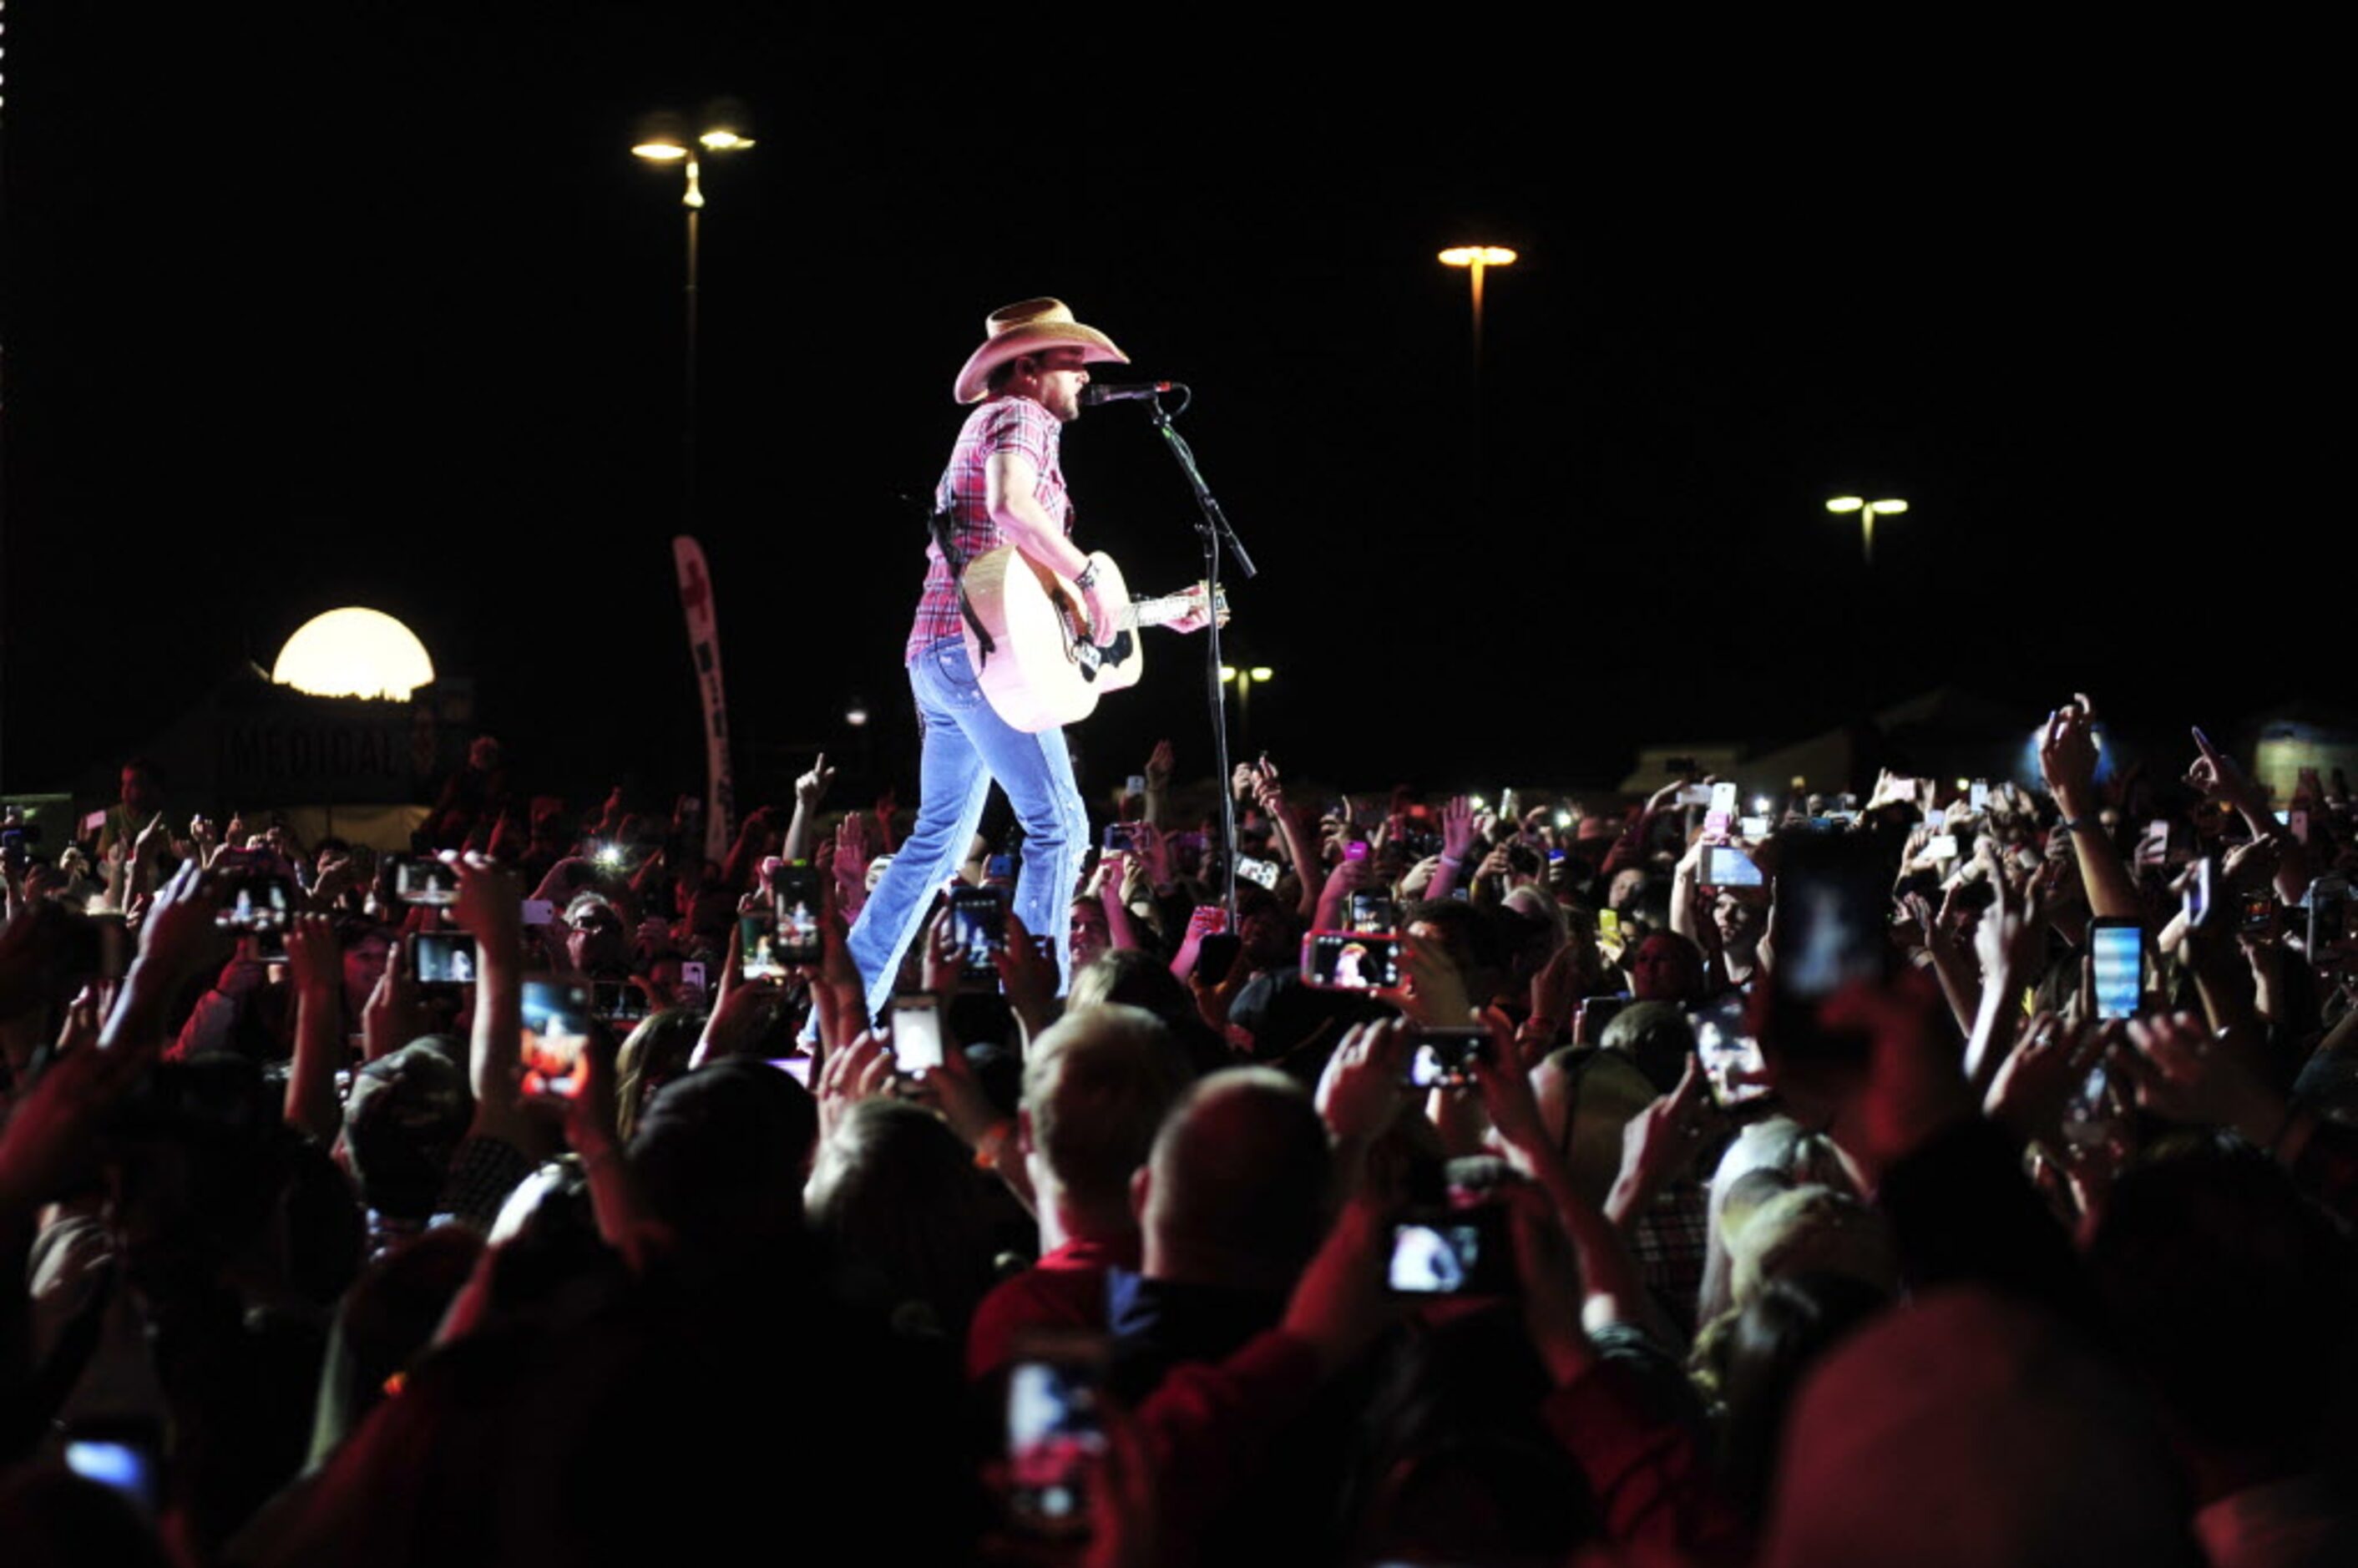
x=663 y=139
x=1244 y=679
x=1477 y=260
x=1868 y=511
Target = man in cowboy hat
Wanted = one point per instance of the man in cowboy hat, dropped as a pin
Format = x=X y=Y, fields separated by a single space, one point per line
x=1003 y=486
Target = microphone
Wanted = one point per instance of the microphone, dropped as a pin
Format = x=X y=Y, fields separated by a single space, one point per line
x=1098 y=392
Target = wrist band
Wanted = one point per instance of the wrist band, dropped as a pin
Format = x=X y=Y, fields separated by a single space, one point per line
x=1454 y=863
x=1088 y=577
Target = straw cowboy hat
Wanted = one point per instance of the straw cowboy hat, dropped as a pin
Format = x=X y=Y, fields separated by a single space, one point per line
x=1014 y=330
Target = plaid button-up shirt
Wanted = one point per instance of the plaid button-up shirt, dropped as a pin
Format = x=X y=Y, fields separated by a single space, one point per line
x=1001 y=425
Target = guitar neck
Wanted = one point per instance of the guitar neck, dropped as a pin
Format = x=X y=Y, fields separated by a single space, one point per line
x=1169 y=607
x=1158 y=612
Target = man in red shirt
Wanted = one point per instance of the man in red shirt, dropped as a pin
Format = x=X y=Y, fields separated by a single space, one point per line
x=1096 y=1087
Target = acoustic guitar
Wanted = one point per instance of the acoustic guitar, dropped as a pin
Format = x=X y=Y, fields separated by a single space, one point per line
x=1043 y=670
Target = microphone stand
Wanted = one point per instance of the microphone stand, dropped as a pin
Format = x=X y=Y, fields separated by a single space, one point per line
x=1212 y=527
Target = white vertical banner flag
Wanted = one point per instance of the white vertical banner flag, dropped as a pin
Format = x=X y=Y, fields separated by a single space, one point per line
x=704 y=647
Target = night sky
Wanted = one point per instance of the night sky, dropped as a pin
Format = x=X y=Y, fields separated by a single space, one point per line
x=366 y=302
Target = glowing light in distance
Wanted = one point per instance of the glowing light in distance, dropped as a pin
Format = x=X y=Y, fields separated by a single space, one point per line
x=724 y=141
x=353 y=652
x=660 y=152
x=1466 y=256
x=1845 y=504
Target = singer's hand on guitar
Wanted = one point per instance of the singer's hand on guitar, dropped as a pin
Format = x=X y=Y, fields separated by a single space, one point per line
x=1103 y=625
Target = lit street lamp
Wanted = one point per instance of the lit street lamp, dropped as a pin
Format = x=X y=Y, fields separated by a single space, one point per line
x=664 y=138
x=1868 y=511
x=1477 y=259
x=1244 y=679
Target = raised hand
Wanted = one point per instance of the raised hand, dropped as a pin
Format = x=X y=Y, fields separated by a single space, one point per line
x=389 y=1019
x=490 y=903
x=942 y=961
x=1026 y=976
x=2067 y=754
x=1362 y=1088
x=314 y=962
x=811 y=787
x=862 y=1070
x=2036 y=1082
x=1457 y=830
x=2215 y=774
x=2182 y=1071
x=1432 y=991
x=1663 y=1142
x=177 y=932
x=1154 y=852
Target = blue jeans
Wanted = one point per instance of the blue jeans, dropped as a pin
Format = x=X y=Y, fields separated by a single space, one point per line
x=968 y=747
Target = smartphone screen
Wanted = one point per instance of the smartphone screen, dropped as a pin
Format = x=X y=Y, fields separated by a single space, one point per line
x=978 y=926
x=1350 y=961
x=1451 y=1252
x=2117 y=953
x=1264 y=873
x=424 y=880
x=1979 y=796
x=1722 y=798
x=617 y=1001
x=131 y=1464
x=916 y=1034
x=1729 y=1051
x=1055 y=1430
x=1725 y=866
x=1445 y=1058
x=555 y=1032
x=2329 y=899
x=443 y=957
x=757 y=940
x=1589 y=1020
x=1372 y=913
x=259 y=904
x=1833 y=905
x=795 y=895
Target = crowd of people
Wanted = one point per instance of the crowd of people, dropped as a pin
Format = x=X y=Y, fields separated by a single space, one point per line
x=1689 y=1181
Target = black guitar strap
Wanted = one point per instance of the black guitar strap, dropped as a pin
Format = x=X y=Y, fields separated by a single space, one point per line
x=938 y=520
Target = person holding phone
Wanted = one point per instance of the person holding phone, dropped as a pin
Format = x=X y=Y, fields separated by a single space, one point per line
x=1004 y=485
